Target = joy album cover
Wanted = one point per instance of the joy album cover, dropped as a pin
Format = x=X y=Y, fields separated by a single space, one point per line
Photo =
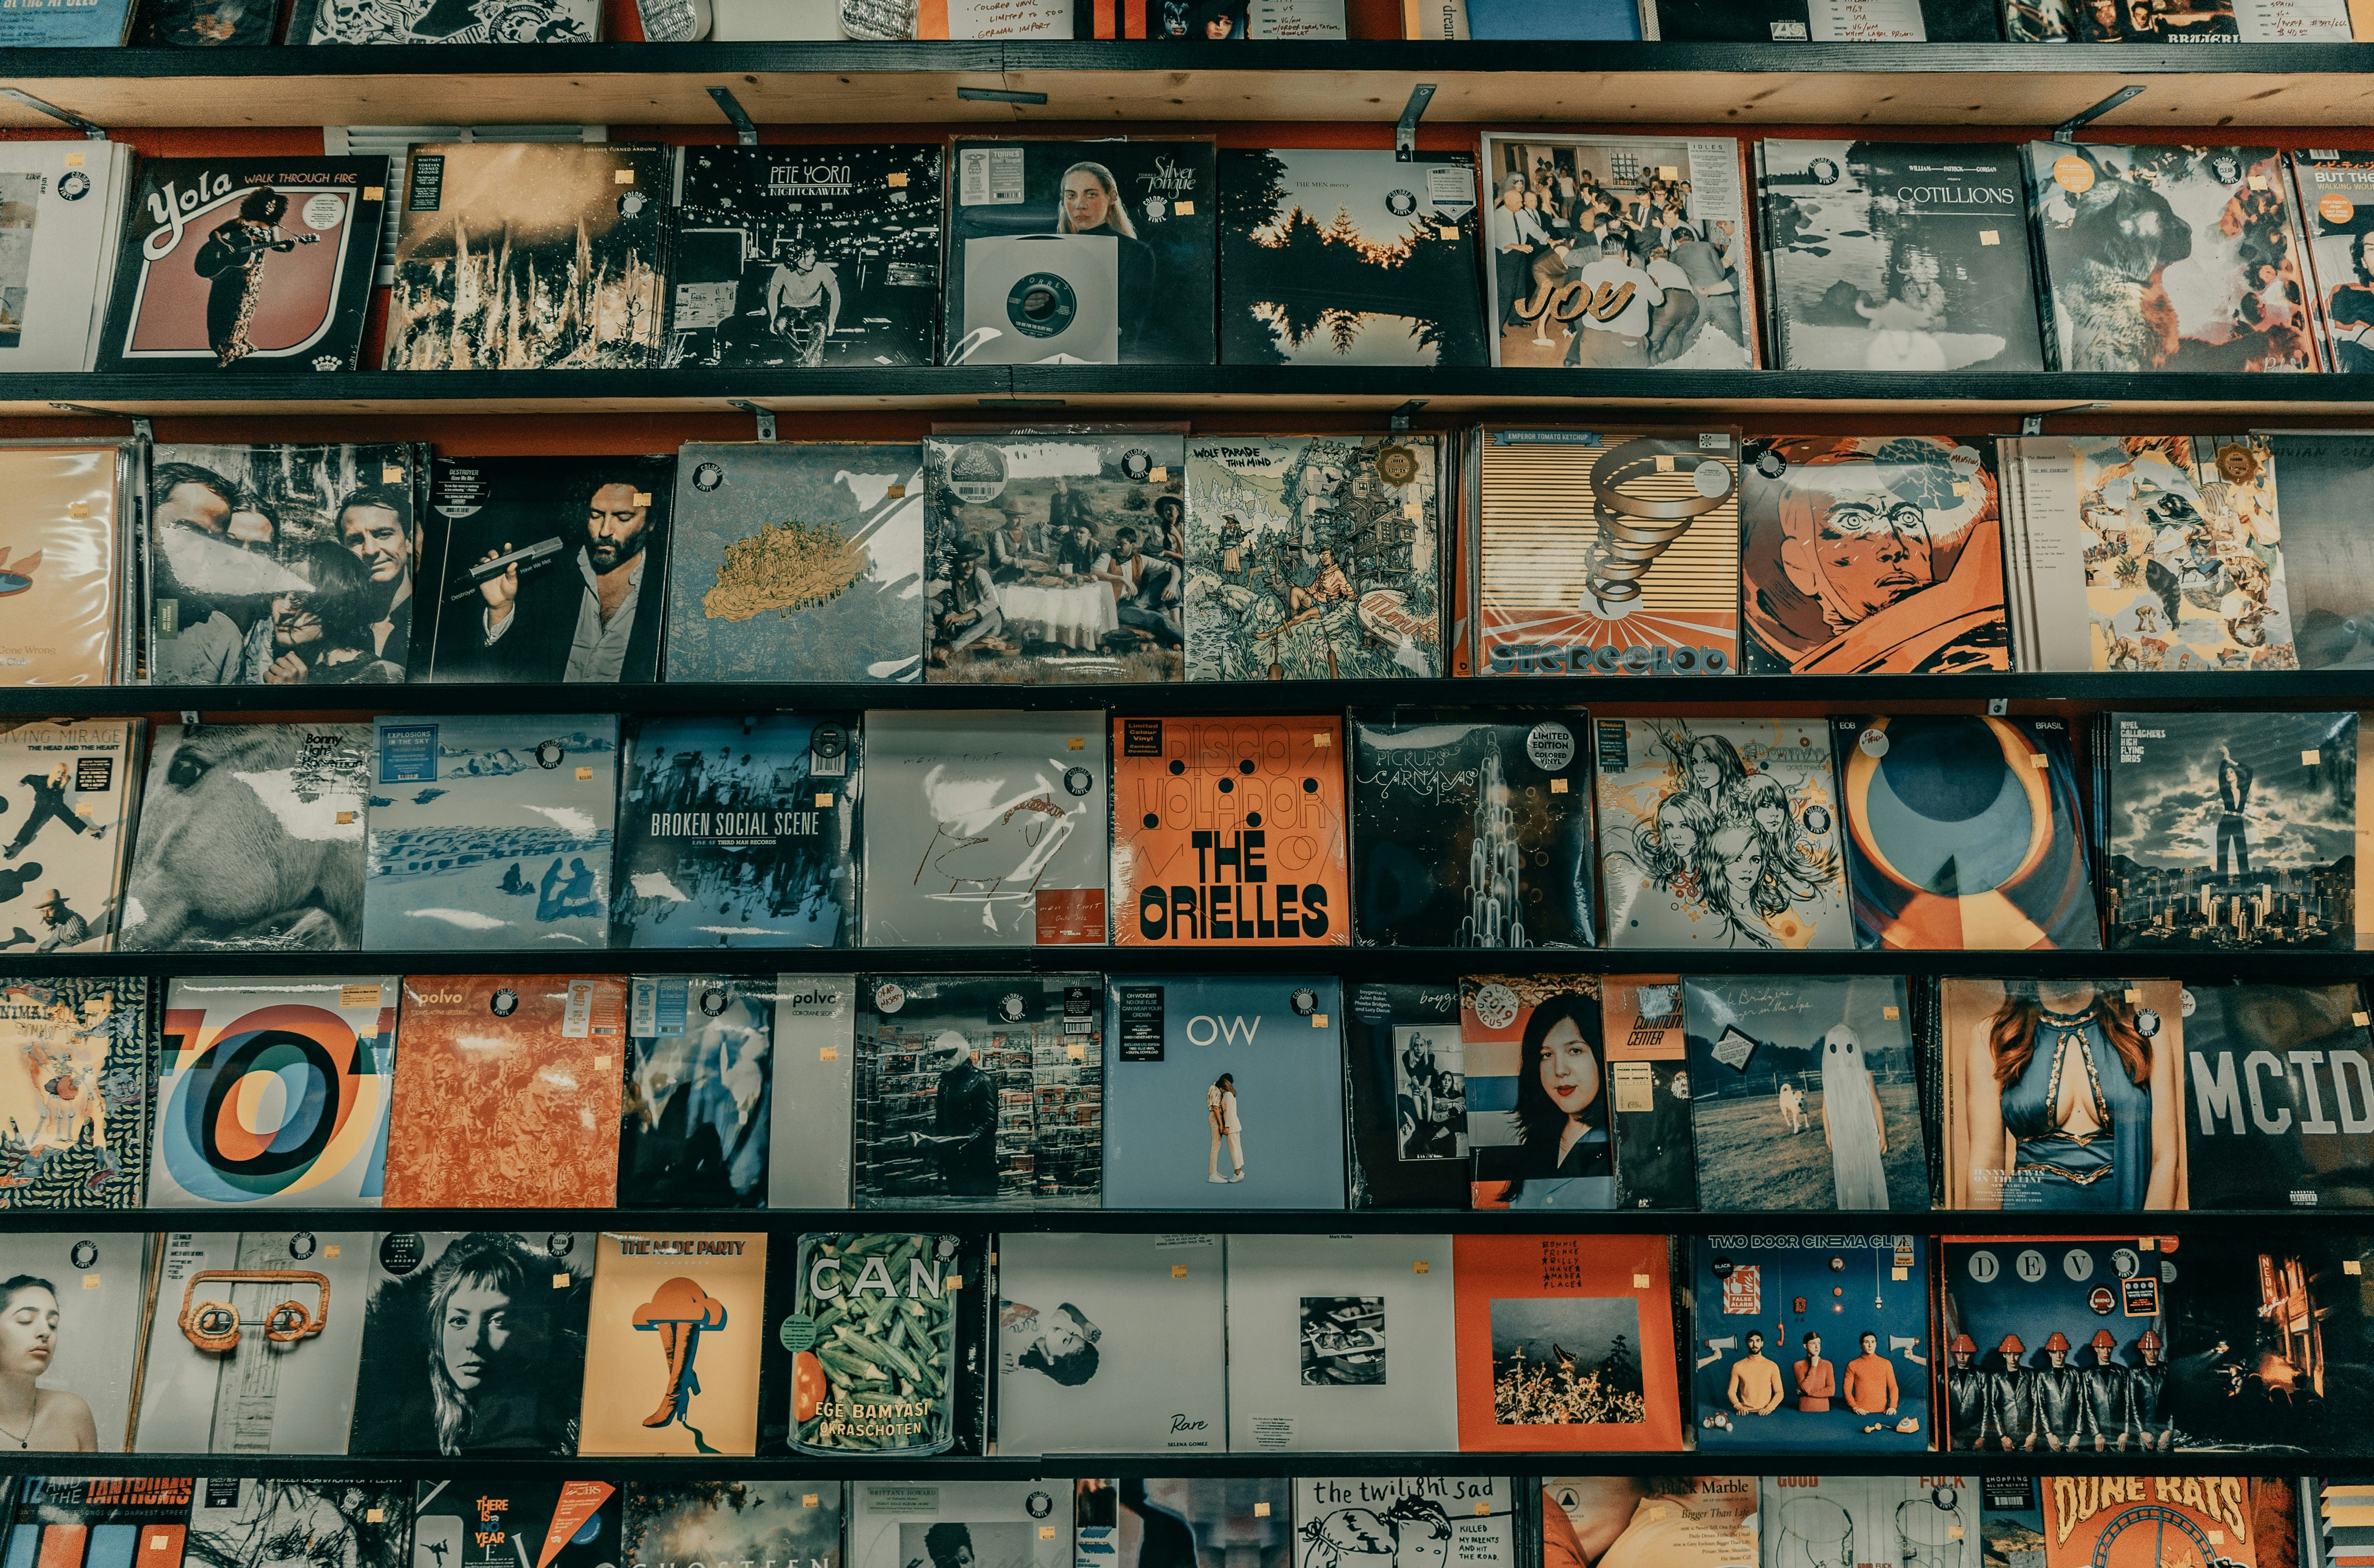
x=75 y=1068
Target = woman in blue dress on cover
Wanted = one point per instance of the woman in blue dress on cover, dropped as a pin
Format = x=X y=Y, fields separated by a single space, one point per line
x=2081 y=1082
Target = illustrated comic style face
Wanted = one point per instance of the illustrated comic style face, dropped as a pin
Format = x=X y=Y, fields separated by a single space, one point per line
x=1770 y=815
x=1418 y=1546
x=1705 y=774
x=1675 y=831
x=1569 y=1070
x=29 y=1332
x=476 y=1334
x=1742 y=855
x=615 y=524
x=375 y=537
x=1871 y=550
x=1085 y=203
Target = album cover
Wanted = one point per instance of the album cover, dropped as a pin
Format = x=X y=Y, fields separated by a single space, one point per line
x=80 y=1342
x=2336 y=205
x=1619 y=253
x=1810 y=1343
x=2212 y=22
x=699 y=1093
x=1651 y=1521
x=2270 y=1344
x=74 y=1059
x=853 y=1392
x=979 y=1092
x=1337 y=1344
x=1565 y=1343
x=1647 y=1047
x=245 y=1353
x=1797 y=22
x=66 y=806
x=2073 y=1521
x=259 y=266
x=2001 y=1045
x=1208 y=1522
x=2168 y=258
x=992 y=1524
x=1055 y=556
x=1964 y=832
x=474 y=1343
x=1720 y=833
x=546 y=1524
x=1463 y=1519
x=797 y=559
x=989 y=828
x=2019 y=1314
x=1536 y=1100
x=1405 y=1083
x=1872 y=1521
x=675 y=1326
x=740 y=831
x=95 y=27
x=2191 y=800
x=1314 y=557
x=531 y=547
x=1604 y=552
x=1262 y=1113
x=274 y=1093
x=530 y=256
x=1229 y=830
x=454 y=797
x=205 y=24
x=814 y=1055
x=249 y=1523
x=791 y=1524
x=2328 y=563
x=1348 y=256
x=806 y=255
x=2337 y=1524
x=1111 y=1344
x=66 y=562
x=445 y=21
x=1081 y=251
x=506 y=1092
x=99 y=1521
x=2283 y=1096
x=61 y=212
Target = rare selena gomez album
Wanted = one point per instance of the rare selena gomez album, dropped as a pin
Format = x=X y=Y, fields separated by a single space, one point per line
x=261 y=265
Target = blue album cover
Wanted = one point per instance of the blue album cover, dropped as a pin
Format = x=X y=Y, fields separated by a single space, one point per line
x=2056 y=1343
x=1812 y=1343
x=740 y=833
x=64 y=26
x=694 y=1129
x=491 y=832
x=1224 y=1093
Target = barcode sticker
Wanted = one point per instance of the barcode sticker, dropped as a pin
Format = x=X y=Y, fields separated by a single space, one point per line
x=1444 y=231
x=1322 y=737
x=374 y=1515
x=374 y=192
x=808 y=1499
x=1078 y=1053
x=330 y=1251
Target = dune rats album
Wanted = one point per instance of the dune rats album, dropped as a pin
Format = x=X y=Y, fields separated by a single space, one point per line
x=75 y=1101
x=2118 y=1521
x=672 y=1343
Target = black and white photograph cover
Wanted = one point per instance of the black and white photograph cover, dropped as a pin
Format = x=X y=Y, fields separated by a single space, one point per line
x=1341 y=1343
x=1111 y=1344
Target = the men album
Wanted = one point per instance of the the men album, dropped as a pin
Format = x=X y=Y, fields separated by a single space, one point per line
x=1872 y=1521
x=699 y=1093
x=474 y=1343
x=1207 y=1522
x=72 y=1345
x=508 y=1092
x=797 y=559
x=1650 y=1521
x=1810 y=1343
x=1462 y=1519
x=2058 y=1344
x=246 y=1354
x=249 y=1522
x=64 y=562
x=672 y=1343
x=815 y=1056
x=61 y=212
x=74 y=1070
x=1111 y=1344
x=2328 y=562
x=1336 y=1344
x=1078 y=251
x=445 y=21
x=530 y=256
x=1348 y=256
x=455 y=798
x=1314 y=557
x=979 y=1091
x=791 y=1524
x=1647 y=1048
x=2337 y=205
x=274 y=1093
x=1215 y=1102
x=2073 y=1521
x=806 y=255
x=261 y=265
x=1536 y=1091
x=250 y=839
x=1405 y=1083
x=99 y=1521
x=1566 y=1343
x=960 y=1524
x=545 y=1524
x=2283 y=1096
x=67 y=807
x=846 y=1393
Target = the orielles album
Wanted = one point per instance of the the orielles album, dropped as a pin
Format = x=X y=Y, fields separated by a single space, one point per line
x=2282 y=1111
x=76 y=1105
x=1082 y=1318
x=696 y=1130
x=672 y=1343
x=66 y=812
x=63 y=562
x=72 y=1345
x=1565 y=1342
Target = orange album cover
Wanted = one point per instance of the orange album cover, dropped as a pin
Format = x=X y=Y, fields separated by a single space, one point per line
x=1565 y=1344
x=1230 y=831
x=507 y=1091
x=672 y=1344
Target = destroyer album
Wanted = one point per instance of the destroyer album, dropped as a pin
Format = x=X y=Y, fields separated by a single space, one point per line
x=2336 y=198
x=1111 y=1344
x=1566 y=1343
x=1536 y=1091
x=1406 y=1081
x=700 y=1097
x=64 y=562
x=1339 y=1344
x=83 y=1388
x=672 y=1343
x=67 y=809
x=2283 y=1097
x=75 y=1071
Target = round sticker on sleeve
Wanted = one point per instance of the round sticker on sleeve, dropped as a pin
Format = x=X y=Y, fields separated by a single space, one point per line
x=1078 y=780
x=888 y=997
x=798 y=1332
x=324 y=211
x=1496 y=1005
x=2073 y=174
x=1396 y=465
x=1550 y=747
x=1872 y=742
x=2334 y=207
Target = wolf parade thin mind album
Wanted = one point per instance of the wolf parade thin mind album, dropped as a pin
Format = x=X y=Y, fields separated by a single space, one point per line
x=2071 y=1521
x=1536 y=1091
x=992 y=1524
x=453 y=799
x=1111 y=1344
x=96 y=1521
x=75 y=1102
x=474 y=1342
x=1080 y=251
x=274 y=1092
x=815 y=1060
x=2297 y=1056
x=253 y=1343
x=1405 y=1086
x=1313 y=557
x=61 y=212
x=2328 y=563
x=782 y=1524
x=1207 y=1522
x=803 y=558
x=66 y=808
x=1336 y=1344
x=699 y=1093
x=2033 y=1362
x=530 y=256
x=843 y=1396
x=64 y=562
x=806 y=255
x=247 y=1522
x=1873 y=1521
x=740 y=833
x=445 y=21
x=672 y=1343
x=248 y=265
x=78 y=1382
x=551 y=1524
x=2337 y=205
x=1463 y=1519
x=1671 y=1522
x=1565 y=1343
x=1348 y=256
x=2269 y=1344
x=1647 y=1046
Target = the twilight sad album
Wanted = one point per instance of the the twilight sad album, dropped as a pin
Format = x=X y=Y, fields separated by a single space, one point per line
x=75 y=1101
x=698 y=1104
x=1470 y=1520
x=257 y=265
x=2283 y=1097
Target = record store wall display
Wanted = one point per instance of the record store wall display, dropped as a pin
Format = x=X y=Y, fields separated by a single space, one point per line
x=1338 y=1344
x=672 y=1343
x=745 y=1521
x=1566 y=1343
x=2337 y=205
x=699 y=1096
x=69 y=517
x=574 y=1524
x=61 y=207
x=67 y=805
x=2282 y=1109
x=243 y=1523
x=1405 y=1083
x=848 y=1289
x=1533 y=1057
x=2055 y=1341
x=79 y=1393
x=76 y=1064
x=1463 y=1519
x=2328 y=559
x=1685 y=1522
x=1066 y=252
x=1245 y=1520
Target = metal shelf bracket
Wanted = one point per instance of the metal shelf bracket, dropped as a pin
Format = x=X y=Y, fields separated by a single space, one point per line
x=746 y=133
x=88 y=130
x=1000 y=95
x=2033 y=424
x=1400 y=416
x=2067 y=130
x=1405 y=128
x=140 y=426
x=761 y=413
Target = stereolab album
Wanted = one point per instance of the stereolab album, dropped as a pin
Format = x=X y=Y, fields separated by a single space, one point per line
x=1405 y=1083
x=2336 y=205
x=1348 y=256
x=699 y=1092
x=800 y=560
x=987 y=829
x=1897 y=256
x=247 y=1522
x=1646 y=1042
x=1963 y=831
x=806 y=255
x=67 y=805
x=2328 y=562
x=1229 y=830
x=1873 y=1521
x=474 y=1343
x=535 y=1523
x=1008 y=1524
x=1535 y=1096
x=1207 y=1522
x=2168 y=258
x=1810 y=1343
x=491 y=831
x=1872 y=554
x=1111 y=1344
x=63 y=562
x=61 y=211
x=83 y=1390
x=1236 y=1106
x=1720 y=833
x=793 y=1523
x=1056 y=557
x=253 y=1343
x=1080 y=253
x=508 y=1092
x=1463 y=1519
x=251 y=265
x=2281 y=1110
x=815 y=1058
x=1314 y=557
x=672 y=1343
x=99 y=1521
x=530 y=256
x=2075 y=1521
x=740 y=831
x=2269 y=1343
x=1566 y=1343
x=75 y=1071
x=1604 y=552
x=1670 y=1522
x=2002 y=1045
x=843 y=1396
x=274 y=1093
x=2053 y=1342
x=1337 y=1344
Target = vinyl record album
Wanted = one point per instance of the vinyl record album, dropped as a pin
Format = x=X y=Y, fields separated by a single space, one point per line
x=75 y=1091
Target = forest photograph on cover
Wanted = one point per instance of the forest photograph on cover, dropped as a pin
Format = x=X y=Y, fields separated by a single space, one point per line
x=1567 y=1360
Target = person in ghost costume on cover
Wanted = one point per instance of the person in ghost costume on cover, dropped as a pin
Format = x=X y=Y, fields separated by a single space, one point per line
x=1852 y=1122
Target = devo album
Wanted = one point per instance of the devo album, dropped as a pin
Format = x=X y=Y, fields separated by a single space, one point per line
x=2283 y=1097
x=76 y=1301
x=2336 y=203
x=1566 y=1343
x=1405 y=1087
x=66 y=808
x=75 y=1076
x=699 y=1096
x=1111 y=1344
x=66 y=546
x=1535 y=1094
x=672 y=1344
x=1337 y=1344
